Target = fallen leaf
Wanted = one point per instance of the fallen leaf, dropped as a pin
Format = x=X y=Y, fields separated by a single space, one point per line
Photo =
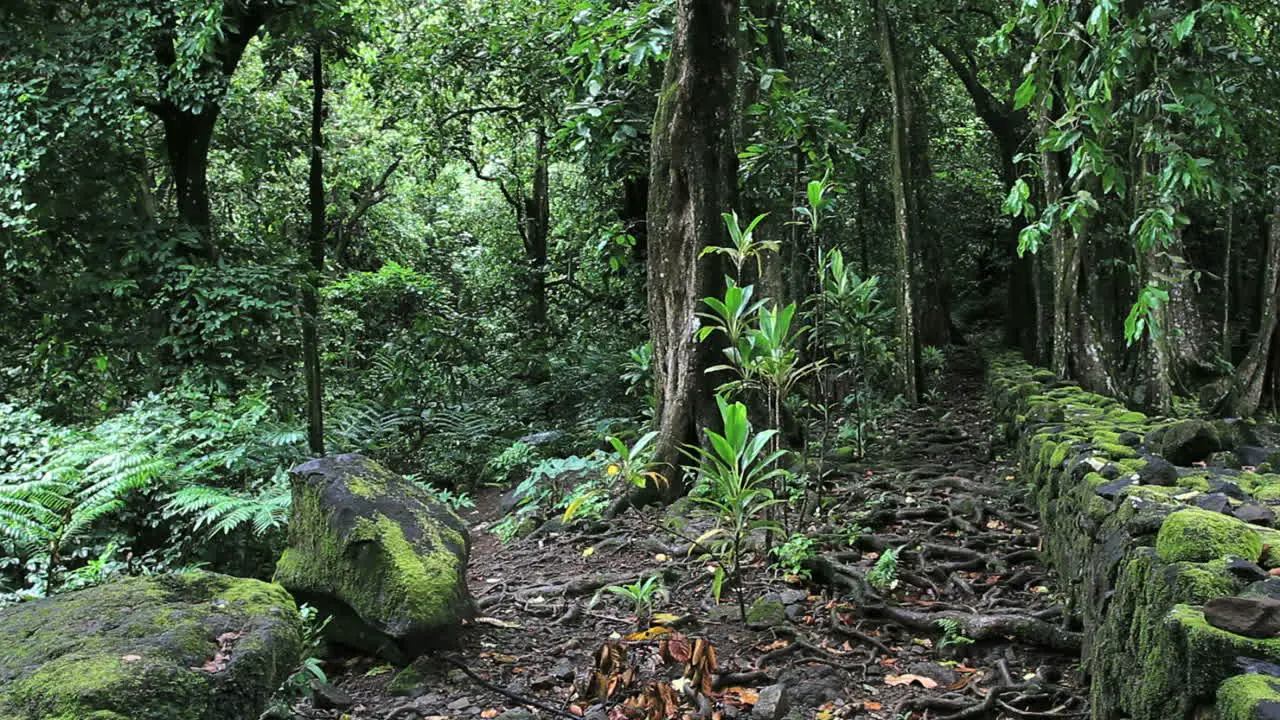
x=588 y=551
x=1274 y=571
x=652 y=633
x=665 y=619
x=741 y=695
x=775 y=645
x=661 y=557
x=131 y=658
x=490 y=713
x=927 y=683
x=871 y=705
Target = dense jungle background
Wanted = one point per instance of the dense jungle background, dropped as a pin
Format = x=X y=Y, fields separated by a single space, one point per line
x=493 y=244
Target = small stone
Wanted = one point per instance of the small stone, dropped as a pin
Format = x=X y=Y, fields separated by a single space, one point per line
x=517 y=714
x=1253 y=456
x=1110 y=471
x=1256 y=514
x=1248 y=616
x=327 y=697
x=1254 y=666
x=793 y=597
x=1132 y=439
x=942 y=674
x=1247 y=571
x=1224 y=459
x=771 y=703
x=1217 y=502
x=1187 y=441
x=460 y=704
x=1112 y=490
x=1268 y=588
x=766 y=612
x=1158 y=471
x=1228 y=488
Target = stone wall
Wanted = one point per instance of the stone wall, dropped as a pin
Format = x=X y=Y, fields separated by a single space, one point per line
x=1142 y=545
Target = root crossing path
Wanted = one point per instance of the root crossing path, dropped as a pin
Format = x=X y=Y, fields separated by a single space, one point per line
x=922 y=595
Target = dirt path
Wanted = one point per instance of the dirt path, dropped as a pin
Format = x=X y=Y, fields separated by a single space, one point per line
x=969 y=626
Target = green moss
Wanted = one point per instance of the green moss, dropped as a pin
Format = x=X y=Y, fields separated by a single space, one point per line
x=1116 y=451
x=128 y=647
x=1239 y=697
x=1060 y=454
x=1198 y=535
x=1198 y=482
x=1153 y=493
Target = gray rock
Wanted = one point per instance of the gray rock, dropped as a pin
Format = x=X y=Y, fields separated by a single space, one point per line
x=766 y=612
x=1269 y=588
x=1247 y=571
x=1253 y=455
x=942 y=674
x=460 y=704
x=379 y=554
x=1256 y=514
x=1253 y=617
x=772 y=703
x=1224 y=459
x=1216 y=502
x=1186 y=441
x=517 y=714
x=1228 y=488
x=1112 y=490
x=327 y=697
x=1132 y=439
x=1158 y=471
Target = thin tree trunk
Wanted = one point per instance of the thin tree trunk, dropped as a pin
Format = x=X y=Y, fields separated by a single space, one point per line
x=310 y=293
x=694 y=179
x=906 y=213
x=1065 y=260
x=1245 y=395
x=1226 y=284
x=537 y=228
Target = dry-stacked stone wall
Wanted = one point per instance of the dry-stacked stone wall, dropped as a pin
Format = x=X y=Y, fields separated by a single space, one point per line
x=1162 y=532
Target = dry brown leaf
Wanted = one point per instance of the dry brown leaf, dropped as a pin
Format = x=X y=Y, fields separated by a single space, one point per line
x=928 y=683
x=871 y=705
x=490 y=713
x=495 y=622
x=741 y=695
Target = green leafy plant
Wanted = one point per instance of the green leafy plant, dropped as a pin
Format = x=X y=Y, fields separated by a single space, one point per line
x=643 y=595
x=883 y=575
x=516 y=457
x=952 y=634
x=792 y=556
x=744 y=247
x=299 y=682
x=735 y=475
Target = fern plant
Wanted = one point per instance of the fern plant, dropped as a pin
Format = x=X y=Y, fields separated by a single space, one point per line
x=222 y=511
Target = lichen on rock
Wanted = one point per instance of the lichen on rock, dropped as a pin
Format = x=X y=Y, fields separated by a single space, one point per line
x=379 y=555
x=191 y=646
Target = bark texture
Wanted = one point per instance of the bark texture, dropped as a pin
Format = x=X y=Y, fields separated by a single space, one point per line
x=693 y=179
x=1245 y=394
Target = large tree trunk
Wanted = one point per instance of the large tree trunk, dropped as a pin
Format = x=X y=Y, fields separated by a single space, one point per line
x=693 y=180
x=188 y=134
x=1245 y=394
x=310 y=288
x=906 y=208
x=537 y=216
x=1065 y=260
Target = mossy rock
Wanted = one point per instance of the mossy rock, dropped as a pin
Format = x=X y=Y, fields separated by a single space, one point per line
x=1248 y=697
x=1186 y=441
x=379 y=555
x=192 y=646
x=1196 y=535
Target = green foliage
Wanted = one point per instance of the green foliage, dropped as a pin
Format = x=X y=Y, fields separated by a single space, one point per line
x=884 y=574
x=952 y=634
x=744 y=247
x=643 y=595
x=792 y=556
x=734 y=478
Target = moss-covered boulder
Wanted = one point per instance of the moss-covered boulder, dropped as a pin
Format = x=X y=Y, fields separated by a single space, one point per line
x=192 y=646
x=379 y=555
x=1186 y=441
x=1197 y=535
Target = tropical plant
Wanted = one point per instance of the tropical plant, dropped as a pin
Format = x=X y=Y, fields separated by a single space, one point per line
x=744 y=247
x=734 y=475
x=793 y=555
x=884 y=574
x=643 y=595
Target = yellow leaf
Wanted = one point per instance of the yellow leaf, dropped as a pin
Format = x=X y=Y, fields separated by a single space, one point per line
x=576 y=505
x=706 y=536
x=654 y=632
x=665 y=619
x=589 y=551
x=661 y=557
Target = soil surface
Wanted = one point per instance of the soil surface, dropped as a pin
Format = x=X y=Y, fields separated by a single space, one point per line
x=969 y=626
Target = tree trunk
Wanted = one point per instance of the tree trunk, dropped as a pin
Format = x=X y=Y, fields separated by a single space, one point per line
x=1065 y=260
x=537 y=217
x=1245 y=395
x=310 y=294
x=693 y=179
x=906 y=210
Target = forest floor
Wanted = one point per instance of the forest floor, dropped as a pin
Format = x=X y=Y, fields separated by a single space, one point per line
x=830 y=646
